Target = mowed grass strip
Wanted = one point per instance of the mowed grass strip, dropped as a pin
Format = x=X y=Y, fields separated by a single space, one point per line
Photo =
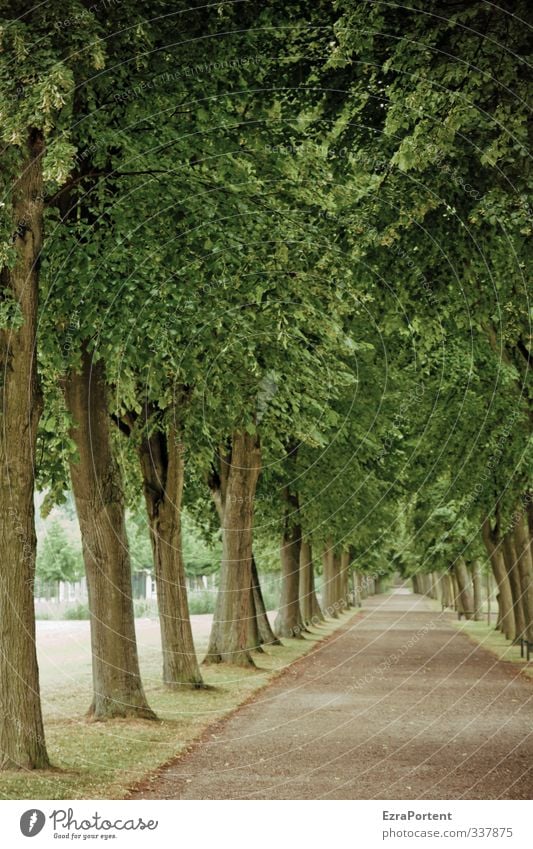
x=495 y=642
x=104 y=759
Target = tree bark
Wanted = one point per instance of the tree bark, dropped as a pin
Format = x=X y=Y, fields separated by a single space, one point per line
x=254 y=639
x=97 y=488
x=525 y=568
x=329 y=582
x=447 y=590
x=465 y=594
x=344 y=579
x=511 y=564
x=289 y=622
x=265 y=632
x=228 y=642
x=477 y=584
x=506 y=620
x=162 y=466
x=309 y=606
x=22 y=744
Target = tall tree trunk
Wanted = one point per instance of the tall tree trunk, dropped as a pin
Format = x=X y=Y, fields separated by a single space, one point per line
x=162 y=466
x=254 y=639
x=228 y=642
x=97 y=488
x=525 y=568
x=506 y=619
x=465 y=594
x=447 y=590
x=265 y=632
x=511 y=564
x=22 y=743
x=289 y=622
x=309 y=606
x=329 y=582
x=477 y=584
x=345 y=579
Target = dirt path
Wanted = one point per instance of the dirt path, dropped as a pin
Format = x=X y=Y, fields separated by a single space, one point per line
x=397 y=705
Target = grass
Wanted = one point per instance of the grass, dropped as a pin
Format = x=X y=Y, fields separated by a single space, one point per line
x=495 y=642
x=97 y=760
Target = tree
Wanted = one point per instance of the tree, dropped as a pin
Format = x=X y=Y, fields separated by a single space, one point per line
x=58 y=559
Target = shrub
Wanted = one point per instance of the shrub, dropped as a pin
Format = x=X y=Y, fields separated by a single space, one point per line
x=79 y=611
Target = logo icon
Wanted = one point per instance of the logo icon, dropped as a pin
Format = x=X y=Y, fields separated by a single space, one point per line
x=32 y=822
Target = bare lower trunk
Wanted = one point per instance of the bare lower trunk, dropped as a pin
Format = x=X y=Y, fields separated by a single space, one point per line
x=22 y=742
x=345 y=579
x=97 y=489
x=465 y=594
x=477 y=583
x=511 y=564
x=309 y=606
x=265 y=633
x=228 y=642
x=525 y=568
x=329 y=582
x=162 y=468
x=506 y=619
x=289 y=622
x=254 y=640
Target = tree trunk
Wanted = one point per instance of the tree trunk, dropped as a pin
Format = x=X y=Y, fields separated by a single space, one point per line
x=289 y=622
x=511 y=564
x=254 y=640
x=525 y=568
x=344 y=579
x=97 y=488
x=228 y=642
x=465 y=595
x=265 y=632
x=447 y=590
x=162 y=467
x=22 y=742
x=309 y=606
x=506 y=620
x=478 y=589
x=329 y=605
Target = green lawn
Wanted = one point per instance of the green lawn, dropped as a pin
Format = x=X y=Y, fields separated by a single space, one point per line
x=495 y=642
x=102 y=760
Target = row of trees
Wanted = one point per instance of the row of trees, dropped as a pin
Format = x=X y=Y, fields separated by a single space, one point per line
x=270 y=268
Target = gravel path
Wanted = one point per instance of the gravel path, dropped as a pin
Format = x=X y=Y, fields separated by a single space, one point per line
x=396 y=705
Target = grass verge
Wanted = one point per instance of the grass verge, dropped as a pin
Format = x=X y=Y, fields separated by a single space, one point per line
x=495 y=642
x=102 y=760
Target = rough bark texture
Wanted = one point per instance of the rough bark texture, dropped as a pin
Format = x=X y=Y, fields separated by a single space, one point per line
x=289 y=622
x=345 y=578
x=357 y=584
x=97 y=489
x=309 y=606
x=22 y=743
x=329 y=605
x=525 y=568
x=254 y=639
x=477 y=583
x=228 y=642
x=162 y=468
x=465 y=593
x=511 y=564
x=265 y=632
x=447 y=591
x=506 y=620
